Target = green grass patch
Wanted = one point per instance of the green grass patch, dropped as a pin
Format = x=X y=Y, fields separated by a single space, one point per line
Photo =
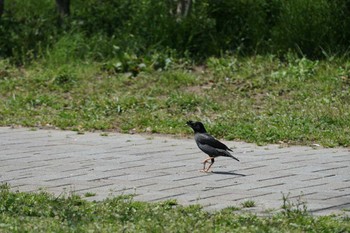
x=261 y=99
x=43 y=212
x=248 y=204
x=89 y=194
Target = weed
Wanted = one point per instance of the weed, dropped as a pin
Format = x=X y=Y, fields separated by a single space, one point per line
x=291 y=209
x=89 y=194
x=248 y=204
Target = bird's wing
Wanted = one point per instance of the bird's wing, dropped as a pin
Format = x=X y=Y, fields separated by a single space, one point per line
x=207 y=139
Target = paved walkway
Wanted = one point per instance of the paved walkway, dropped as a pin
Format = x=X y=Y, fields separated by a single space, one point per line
x=159 y=168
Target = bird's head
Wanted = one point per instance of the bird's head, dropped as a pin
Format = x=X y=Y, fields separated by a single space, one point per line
x=197 y=127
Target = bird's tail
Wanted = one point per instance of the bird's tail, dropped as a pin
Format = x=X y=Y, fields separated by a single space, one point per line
x=234 y=158
x=228 y=154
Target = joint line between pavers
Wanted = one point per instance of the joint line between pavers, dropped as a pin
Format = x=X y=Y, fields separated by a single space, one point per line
x=219 y=187
x=266 y=186
x=165 y=168
x=123 y=168
x=329 y=198
x=346 y=187
x=150 y=152
x=310 y=186
x=167 y=197
x=114 y=152
x=107 y=177
x=277 y=177
x=338 y=161
x=8 y=159
x=65 y=152
x=188 y=178
x=297 y=161
x=94 y=187
x=136 y=160
x=189 y=153
x=55 y=159
x=176 y=187
x=150 y=177
x=207 y=197
x=302 y=195
x=318 y=178
x=44 y=145
x=290 y=168
x=18 y=185
x=236 y=177
x=249 y=168
x=177 y=160
x=260 y=160
x=77 y=169
x=111 y=157
x=14 y=144
x=27 y=152
x=19 y=178
x=329 y=169
x=254 y=196
x=61 y=185
x=28 y=168
x=330 y=207
x=65 y=177
x=145 y=185
x=344 y=155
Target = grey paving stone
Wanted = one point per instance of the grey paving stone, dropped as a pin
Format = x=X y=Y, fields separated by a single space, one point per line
x=157 y=168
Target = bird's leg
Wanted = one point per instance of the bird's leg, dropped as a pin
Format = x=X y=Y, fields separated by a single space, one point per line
x=206 y=161
x=211 y=164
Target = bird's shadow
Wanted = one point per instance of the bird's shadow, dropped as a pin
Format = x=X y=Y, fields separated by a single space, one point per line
x=227 y=173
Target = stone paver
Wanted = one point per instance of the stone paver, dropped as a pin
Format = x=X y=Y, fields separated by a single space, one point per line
x=157 y=168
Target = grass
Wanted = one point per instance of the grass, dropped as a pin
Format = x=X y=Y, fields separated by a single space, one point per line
x=248 y=204
x=89 y=194
x=42 y=212
x=260 y=99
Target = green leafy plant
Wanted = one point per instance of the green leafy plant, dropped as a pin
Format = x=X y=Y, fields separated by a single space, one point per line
x=248 y=204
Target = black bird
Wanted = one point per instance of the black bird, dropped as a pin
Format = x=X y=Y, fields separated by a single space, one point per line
x=208 y=144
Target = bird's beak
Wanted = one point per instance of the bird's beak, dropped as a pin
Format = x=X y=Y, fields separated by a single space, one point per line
x=189 y=123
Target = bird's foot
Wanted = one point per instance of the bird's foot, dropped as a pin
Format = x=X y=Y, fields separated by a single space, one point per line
x=205 y=171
